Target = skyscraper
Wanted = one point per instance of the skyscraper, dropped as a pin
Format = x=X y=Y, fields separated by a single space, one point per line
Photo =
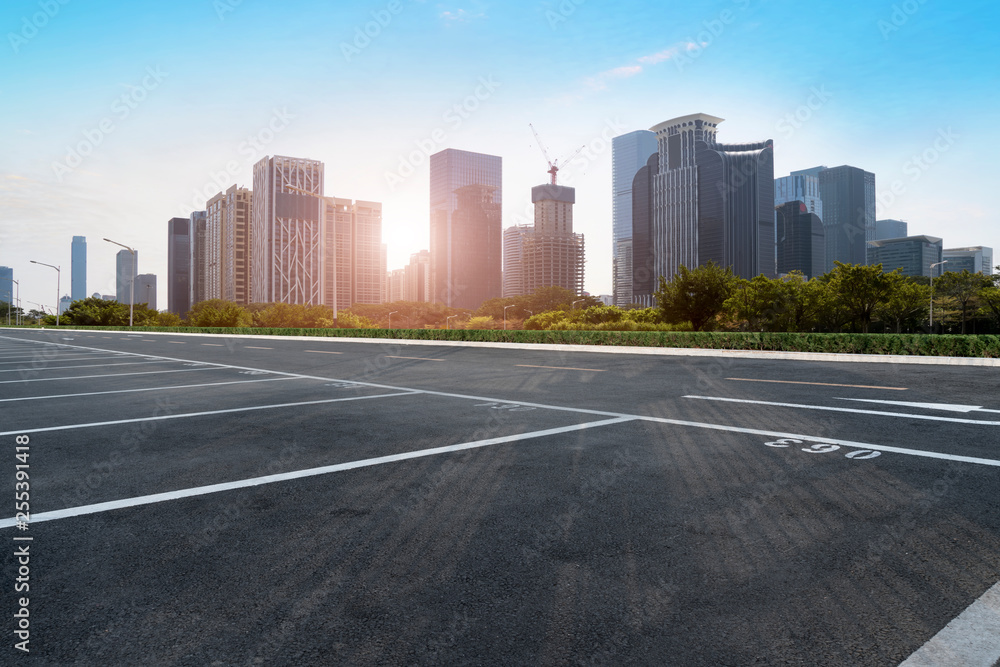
x=712 y=201
x=78 y=289
x=466 y=240
x=848 y=195
x=227 y=248
x=801 y=242
x=125 y=273
x=145 y=289
x=629 y=153
x=353 y=256
x=644 y=277
x=800 y=186
x=7 y=291
x=890 y=229
x=418 y=277
x=552 y=255
x=513 y=259
x=286 y=231
x=179 y=266
x=199 y=256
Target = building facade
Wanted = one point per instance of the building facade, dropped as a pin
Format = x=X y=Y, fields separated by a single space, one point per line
x=848 y=195
x=643 y=260
x=800 y=186
x=629 y=153
x=286 y=232
x=145 y=289
x=78 y=289
x=890 y=229
x=913 y=254
x=126 y=263
x=179 y=266
x=801 y=240
x=354 y=265
x=198 y=260
x=552 y=255
x=513 y=259
x=974 y=259
x=417 y=285
x=466 y=200
x=7 y=291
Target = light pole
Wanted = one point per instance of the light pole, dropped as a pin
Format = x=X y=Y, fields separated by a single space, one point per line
x=18 y=298
x=576 y=302
x=932 y=291
x=8 y=308
x=505 y=315
x=58 y=278
x=447 y=321
x=390 y=318
x=131 y=288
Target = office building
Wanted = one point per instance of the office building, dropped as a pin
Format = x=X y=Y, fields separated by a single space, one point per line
x=397 y=284
x=78 y=288
x=913 y=254
x=125 y=273
x=65 y=301
x=145 y=290
x=8 y=293
x=226 y=261
x=974 y=259
x=848 y=195
x=286 y=232
x=712 y=202
x=890 y=229
x=211 y=259
x=513 y=259
x=418 y=277
x=629 y=153
x=199 y=259
x=179 y=266
x=643 y=260
x=801 y=242
x=354 y=260
x=800 y=186
x=466 y=200
x=552 y=255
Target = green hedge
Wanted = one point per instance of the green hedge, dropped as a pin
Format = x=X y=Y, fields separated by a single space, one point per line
x=903 y=344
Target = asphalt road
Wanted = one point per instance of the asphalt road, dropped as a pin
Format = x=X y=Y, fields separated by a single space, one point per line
x=200 y=500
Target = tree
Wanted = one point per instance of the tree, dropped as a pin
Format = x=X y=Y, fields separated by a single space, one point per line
x=695 y=295
x=965 y=288
x=93 y=311
x=908 y=302
x=861 y=289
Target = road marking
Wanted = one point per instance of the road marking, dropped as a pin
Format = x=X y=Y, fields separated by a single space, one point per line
x=819 y=384
x=63 y=368
x=299 y=474
x=213 y=344
x=323 y=352
x=253 y=408
x=973 y=638
x=251 y=347
x=946 y=407
x=176 y=342
x=389 y=356
x=86 y=358
x=115 y=375
x=954 y=420
x=563 y=368
x=130 y=391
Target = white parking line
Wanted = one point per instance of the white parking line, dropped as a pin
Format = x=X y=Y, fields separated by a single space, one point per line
x=299 y=474
x=54 y=359
x=971 y=640
x=114 y=375
x=323 y=352
x=132 y=391
x=252 y=347
x=63 y=368
x=253 y=408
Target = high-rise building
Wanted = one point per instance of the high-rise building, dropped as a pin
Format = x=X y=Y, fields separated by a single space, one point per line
x=643 y=260
x=286 y=231
x=800 y=186
x=913 y=254
x=848 y=195
x=199 y=260
x=211 y=259
x=145 y=289
x=629 y=153
x=125 y=273
x=7 y=291
x=179 y=266
x=974 y=259
x=712 y=202
x=513 y=259
x=226 y=264
x=890 y=229
x=65 y=301
x=397 y=285
x=354 y=262
x=552 y=255
x=417 y=285
x=466 y=199
x=78 y=289
x=801 y=242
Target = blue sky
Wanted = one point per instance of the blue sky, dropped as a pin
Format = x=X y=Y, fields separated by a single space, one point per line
x=170 y=100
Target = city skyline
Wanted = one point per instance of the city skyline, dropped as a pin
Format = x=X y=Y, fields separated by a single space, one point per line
x=909 y=101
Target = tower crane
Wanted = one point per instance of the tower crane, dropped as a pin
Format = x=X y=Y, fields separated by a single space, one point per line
x=553 y=166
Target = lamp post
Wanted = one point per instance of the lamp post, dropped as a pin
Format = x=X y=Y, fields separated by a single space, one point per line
x=932 y=291
x=58 y=278
x=18 y=298
x=573 y=305
x=390 y=318
x=8 y=308
x=131 y=289
x=447 y=321
x=505 y=315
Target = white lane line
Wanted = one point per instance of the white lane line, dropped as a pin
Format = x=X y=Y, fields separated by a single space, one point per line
x=64 y=368
x=299 y=474
x=819 y=384
x=251 y=347
x=132 y=391
x=60 y=359
x=213 y=344
x=253 y=408
x=176 y=342
x=389 y=356
x=944 y=407
x=954 y=420
x=972 y=639
x=563 y=368
x=323 y=352
x=115 y=375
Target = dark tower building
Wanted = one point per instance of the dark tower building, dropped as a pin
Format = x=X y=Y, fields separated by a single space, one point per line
x=644 y=276
x=179 y=266
x=801 y=240
x=466 y=235
x=848 y=195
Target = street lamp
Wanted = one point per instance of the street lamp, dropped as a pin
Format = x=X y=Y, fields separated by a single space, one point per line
x=447 y=321
x=18 y=298
x=576 y=302
x=131 y=288
x=932 y=291
x=505 y=315
x=390 y=317
x=8 y=309
x=58 y=278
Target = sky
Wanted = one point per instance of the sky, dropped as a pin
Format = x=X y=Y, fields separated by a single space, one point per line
x=117 y=116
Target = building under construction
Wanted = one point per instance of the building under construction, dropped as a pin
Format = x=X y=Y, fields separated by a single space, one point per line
x=552 y=255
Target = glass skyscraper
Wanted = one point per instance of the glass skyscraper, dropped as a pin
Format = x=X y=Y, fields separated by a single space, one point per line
x=466 y=198
x=179 y=266
x=848 y=195
x=629 y=153
x=801 y=242
x=78 y=290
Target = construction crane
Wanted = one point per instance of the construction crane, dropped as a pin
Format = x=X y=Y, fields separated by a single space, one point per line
x=553 y=166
